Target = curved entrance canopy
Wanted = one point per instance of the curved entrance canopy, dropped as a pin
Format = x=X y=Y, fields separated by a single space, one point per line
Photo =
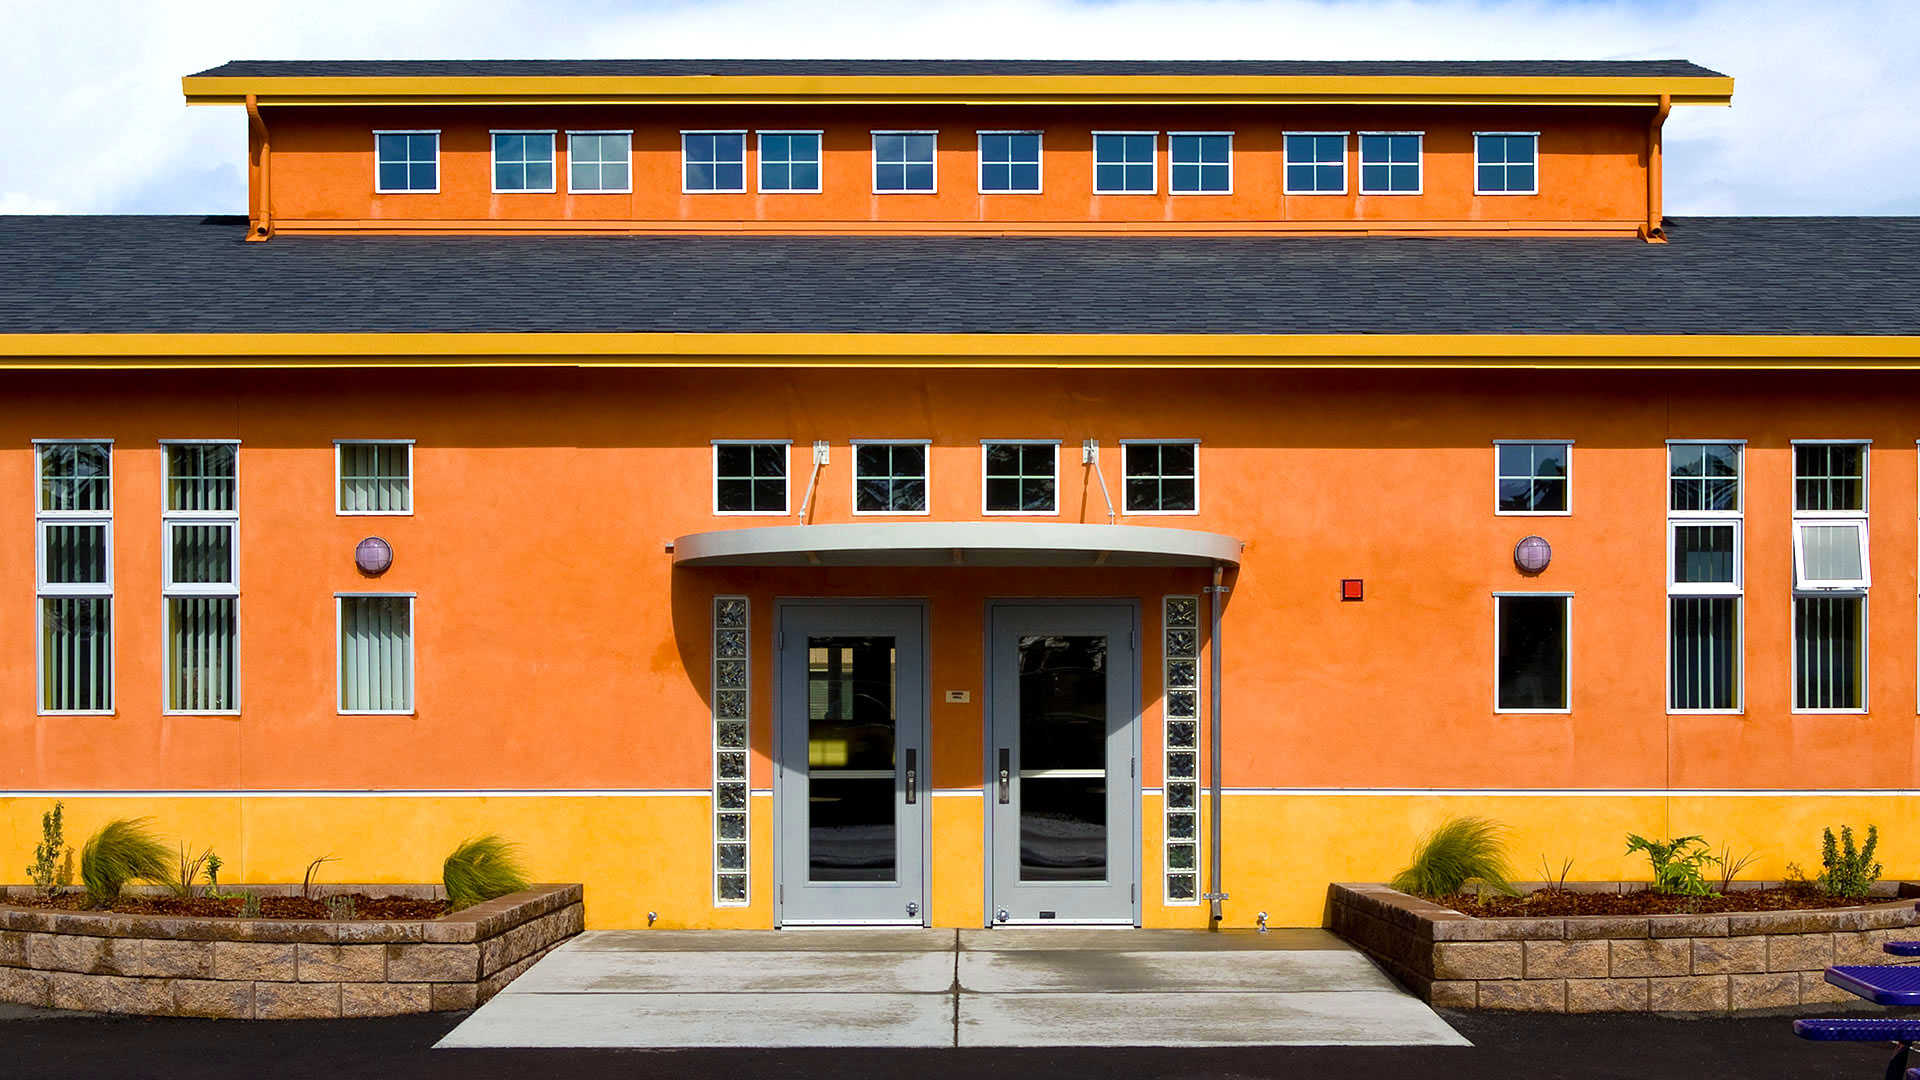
x=957 y=543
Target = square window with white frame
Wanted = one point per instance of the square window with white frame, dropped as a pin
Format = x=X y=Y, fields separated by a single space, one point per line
x=1703 y=478
x=790 y=161
x=1531 y=633
x=750 y=477
x=375 y=652
x=376 y=476
x=1316 y=163
x=1201 y=162
x=1533 y=477
x=1505 y=163
x=1021 y=477
x=713 y=161
x=74 y=575
x=1161 y=477
x=523 y=162
x=406 y=161
x=903 y=161
x=1390 y=162
x=200 y=576
x=599 y=162
x=1124 y=162
x=889 y=477
x=1830 y=478
x=1010 y=162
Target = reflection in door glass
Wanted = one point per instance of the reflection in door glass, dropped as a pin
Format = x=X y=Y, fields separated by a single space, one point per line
x=850 y=752
x=1063 y=758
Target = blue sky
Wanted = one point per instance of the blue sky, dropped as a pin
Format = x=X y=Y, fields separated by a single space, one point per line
x=1822 y=120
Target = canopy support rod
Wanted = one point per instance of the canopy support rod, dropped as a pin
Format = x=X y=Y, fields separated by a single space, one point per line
x=1090 y=455
x=819 y=459
x=1217 y=597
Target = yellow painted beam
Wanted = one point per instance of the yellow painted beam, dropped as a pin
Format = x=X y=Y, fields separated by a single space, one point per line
x=957 y=90
x=1542 y=351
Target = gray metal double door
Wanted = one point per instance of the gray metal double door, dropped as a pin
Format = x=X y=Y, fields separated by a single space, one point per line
x=850 y=771
x=1062 y=801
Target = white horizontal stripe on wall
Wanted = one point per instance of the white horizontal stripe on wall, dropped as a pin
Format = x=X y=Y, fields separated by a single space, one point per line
x=636 y=793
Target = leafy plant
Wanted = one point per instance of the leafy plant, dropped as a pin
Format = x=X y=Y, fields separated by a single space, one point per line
x=342 y=907
x=187 y=875
x=1678 y=864
x=46 y=869
x=482 y=868
x=306 y=883
x=1846 y=870
x=250 y=905
x=213 y=873
x=1730 y=866
x=1460 y=851
x=123 y=850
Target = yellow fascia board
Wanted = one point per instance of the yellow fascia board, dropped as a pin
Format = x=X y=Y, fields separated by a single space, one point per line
x=959 y=90
x=1431 y=351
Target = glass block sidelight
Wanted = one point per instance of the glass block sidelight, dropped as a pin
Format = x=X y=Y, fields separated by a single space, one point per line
x=730 y=751
x=1180 y=657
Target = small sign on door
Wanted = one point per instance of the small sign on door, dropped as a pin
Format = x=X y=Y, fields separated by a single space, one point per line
x=959 y=697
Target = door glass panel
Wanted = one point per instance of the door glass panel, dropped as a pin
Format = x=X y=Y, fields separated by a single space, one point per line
x=851 y=721
x=1063 y=758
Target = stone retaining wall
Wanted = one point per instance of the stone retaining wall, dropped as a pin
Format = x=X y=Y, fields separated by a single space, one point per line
x=280 y=969
x=1598 y=963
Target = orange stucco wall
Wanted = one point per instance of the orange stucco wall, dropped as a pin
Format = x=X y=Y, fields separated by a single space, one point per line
x=1592 y=168
x=558 y=649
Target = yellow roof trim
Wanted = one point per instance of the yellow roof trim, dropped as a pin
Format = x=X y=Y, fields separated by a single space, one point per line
x=960 y=89
x=1551 y=351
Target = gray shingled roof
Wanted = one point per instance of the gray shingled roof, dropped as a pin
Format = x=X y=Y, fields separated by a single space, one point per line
x=518 y=68
x=1717 y=276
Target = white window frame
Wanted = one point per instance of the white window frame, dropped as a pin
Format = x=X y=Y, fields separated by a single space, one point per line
x=413 y=653
x=169 y=590
x=1039 y=161
x=853 y=490
x=437 y=163
x=1153 y=162
x=571 y=190
x=1708 y=590
x=1497 y=477
x=413 y=489
x=1124 y=512
x=819 y=164
x=987 y=511
x=1360 y=163
x=1740 y=508
x=745 y=159
x=1866 y=479
x=1346 y=152
x=44 y=591
x=1856 y=518
x=1172 y=135
x=493 y=161
x=873 y=159
x=1566 y=659
x=1837 y=585
x=1477 y=189
x=1793 y=651
x=713 y=477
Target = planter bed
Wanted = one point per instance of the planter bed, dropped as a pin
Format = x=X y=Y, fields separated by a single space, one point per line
x=278 y=968
x=1690 y=962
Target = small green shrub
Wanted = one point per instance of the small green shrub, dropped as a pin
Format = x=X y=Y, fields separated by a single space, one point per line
x=123 y=850
x=1678 y=864
x=1462 y=850
x=342 y=907
x=482 y=868
x=214 y=864
x=46 y=870
x=1845 y=870
x=250 y=905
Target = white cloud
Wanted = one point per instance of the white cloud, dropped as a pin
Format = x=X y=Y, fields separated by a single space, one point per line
x=1821 y=121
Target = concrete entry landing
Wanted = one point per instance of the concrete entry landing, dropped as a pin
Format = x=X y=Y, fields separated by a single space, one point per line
x=931 y=988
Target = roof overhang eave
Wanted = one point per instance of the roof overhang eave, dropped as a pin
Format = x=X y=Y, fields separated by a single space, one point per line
x=995 y=544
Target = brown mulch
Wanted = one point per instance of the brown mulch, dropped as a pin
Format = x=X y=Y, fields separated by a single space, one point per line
x=228 y=907
x=1552 y=902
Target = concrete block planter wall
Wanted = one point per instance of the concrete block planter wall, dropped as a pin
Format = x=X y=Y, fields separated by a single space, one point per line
x=1601 y=963
x=280 y=969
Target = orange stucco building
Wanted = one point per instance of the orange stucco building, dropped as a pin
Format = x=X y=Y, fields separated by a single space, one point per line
x=796 y=492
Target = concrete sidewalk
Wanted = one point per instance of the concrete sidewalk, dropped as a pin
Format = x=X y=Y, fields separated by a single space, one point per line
x=946 y=988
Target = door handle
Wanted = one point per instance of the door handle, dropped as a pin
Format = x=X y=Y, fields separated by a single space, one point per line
x=1006 y=775
x=913 y=779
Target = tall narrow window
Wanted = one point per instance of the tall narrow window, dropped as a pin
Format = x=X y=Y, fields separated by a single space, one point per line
x=1705 y=576
x=1022 y=477
x=1503 y=163
x=1161 y=477
x=600 y=162
x=1123 y=162
x=713 y=161
x=1390 y=162
x=790 y=161
x=406 y=161
x=1531 y=638
x=522 y=161
x=376 y=653
x=1831 y=575
x=1202 y=162
x=1009 y=161
x=889 y=477
x=200 y=576
x=903 y=161
x=73 y=521
x=1532 y=477
x=750 y=477
x=375 y=477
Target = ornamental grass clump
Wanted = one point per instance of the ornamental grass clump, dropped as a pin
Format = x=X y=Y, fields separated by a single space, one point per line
x=123 y=850
x=1462 y=851
x=480 y=869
